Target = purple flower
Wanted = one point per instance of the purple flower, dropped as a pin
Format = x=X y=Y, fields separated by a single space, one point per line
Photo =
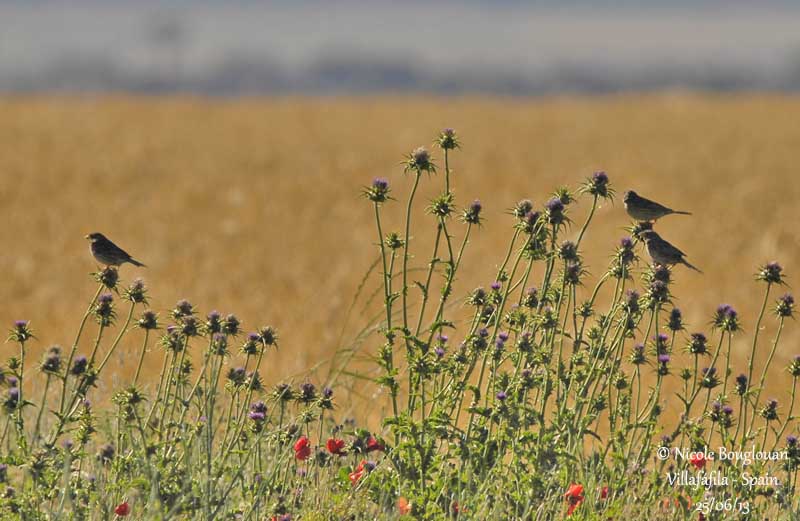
x=439 y=352
x=472 y=214
x=663 y=359
x=502 y=396
x=495 y=285
x=257 y=416
x=791 y=440
x=503 y=335
x=771 y=273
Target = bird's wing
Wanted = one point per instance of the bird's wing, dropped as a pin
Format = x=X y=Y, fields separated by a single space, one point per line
x=117 y=250
x=673 y=251
x=654 y=205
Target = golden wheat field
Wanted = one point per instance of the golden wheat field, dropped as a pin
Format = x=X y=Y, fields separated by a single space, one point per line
x=252 y=206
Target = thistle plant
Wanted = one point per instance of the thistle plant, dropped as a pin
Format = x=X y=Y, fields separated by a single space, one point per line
x=542 y=393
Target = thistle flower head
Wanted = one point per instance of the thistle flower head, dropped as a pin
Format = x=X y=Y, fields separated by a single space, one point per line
x=269 y=335
x=770 y=410
x=219 y=344
x=472 y=213
x=794 y=366
x=308 y=392
x=136 y=292
x=251 y=344
x=21 y=332
x=104 y=309
x=785 y=306
x=79 y=365
x=183 y=308
x=568 y=251
x=148 y=320
x=52 y=360
x=637 y=229
x=675 y=322
x=236 y=376
x=698 y=345
x=741 y=385
x=419 y=160
x=108 y=277
x=522 y=208
x=447 y=139
x=231 y=325
x=637 y=356
x=190 y=326
x=501 y=396
x=478 y=297
x=771 y=273
x=598 y=186
x=726 y=318
x=213 y=323
x=378 y=192
x=531 y=298
x=555 y=211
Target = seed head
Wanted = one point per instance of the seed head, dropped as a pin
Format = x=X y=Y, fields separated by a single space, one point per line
x=52 y=361
x=269 y=336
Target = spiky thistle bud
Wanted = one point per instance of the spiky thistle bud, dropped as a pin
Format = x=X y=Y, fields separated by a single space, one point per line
x=770 y=273
x=447 y=140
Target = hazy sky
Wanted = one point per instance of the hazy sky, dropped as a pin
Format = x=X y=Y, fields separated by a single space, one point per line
x=129 y=41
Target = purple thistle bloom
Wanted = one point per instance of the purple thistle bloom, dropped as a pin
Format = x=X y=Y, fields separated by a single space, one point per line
x=771 y=273
x=483 y=332
x=502 y=396
x=626 y=243
x=442 y=338
x=495 y=285
x=439 y=352
x=257 y=416
x=20 y=324
x=663 y=359
x=600 y=178
x=105 y=298
x=327 y=392
x=503 y=335
x=380 y=183
x=727 y=410
x=791 y=440
x=554 y=205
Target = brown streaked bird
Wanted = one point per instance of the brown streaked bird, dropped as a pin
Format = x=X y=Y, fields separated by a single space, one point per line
x=663 y=252
x=108 y=253
x=643 y=209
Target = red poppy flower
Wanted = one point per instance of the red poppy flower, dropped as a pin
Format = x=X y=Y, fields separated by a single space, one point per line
x=302 y=448
x=335 y=446
x=373 y=444
x=574 y=497
x=698 y=460
x=358 y=472
x=123 y=509
x=604 y=492
x=403 y=506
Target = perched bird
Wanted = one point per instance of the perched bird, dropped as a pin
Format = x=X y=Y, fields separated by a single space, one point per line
x=663 y=252
x=643 y=209
x=108 y=253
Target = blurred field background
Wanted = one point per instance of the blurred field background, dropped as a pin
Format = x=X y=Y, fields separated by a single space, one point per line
x=252 y=205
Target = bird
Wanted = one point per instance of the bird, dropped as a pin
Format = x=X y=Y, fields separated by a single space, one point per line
x=643 y=209
x=662 y=252
x=108 y=253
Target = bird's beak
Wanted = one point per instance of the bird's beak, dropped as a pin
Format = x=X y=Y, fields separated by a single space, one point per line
x=85 y=236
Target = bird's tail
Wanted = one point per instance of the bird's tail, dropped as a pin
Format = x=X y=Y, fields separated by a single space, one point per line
x=681 y=212
x=136 y=263
x=690 y=266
